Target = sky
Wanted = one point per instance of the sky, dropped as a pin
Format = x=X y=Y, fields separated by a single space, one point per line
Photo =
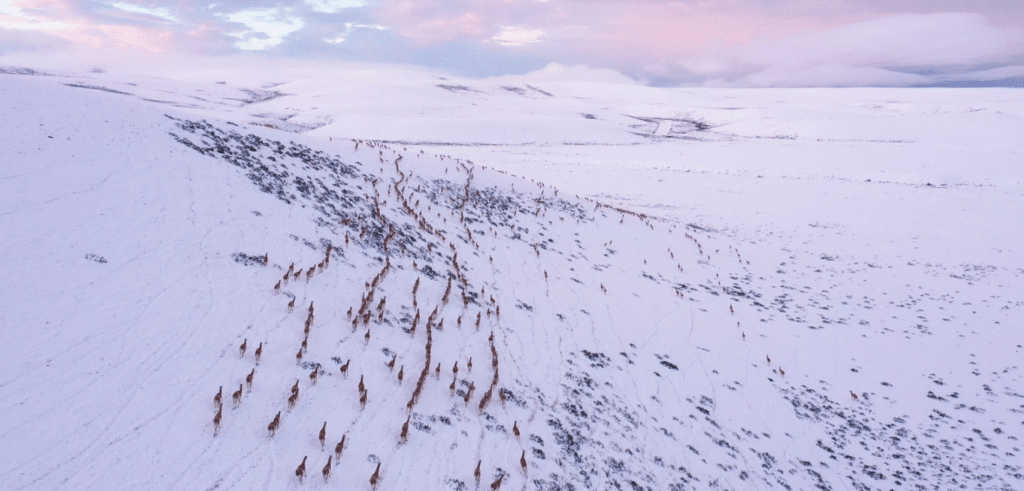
x=745 y=43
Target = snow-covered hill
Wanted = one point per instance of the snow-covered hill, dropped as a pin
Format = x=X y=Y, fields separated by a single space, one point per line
x=819 y=293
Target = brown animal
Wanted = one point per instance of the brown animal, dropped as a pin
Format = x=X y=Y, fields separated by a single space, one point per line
x=469 y=366
x=339 y=447
x=298 y=357
x=486 y=399
x=455 y=368
x=362 y=388
x=854 y=396
x=782 y=372
x=375 y=477
x=451 y=388
x=236 y=398
x=401 y=373
x=437 y=371
x=259 y=352
x=217 y=398
x=323 y=434
x=501 y=395
x=367 y=337
x=248 y=379
x=291 y=305
x=310 y=307
x=476 y=472
x=327 y=468
x=305 y=346
x=768 y=358
x=295 y=388
x=515 y=429
x=405 y=430
x=522 y=461
x=272 y=427
x=291 y=400
x=496 y=485
x=241 y=349
x=216 y=421
x=300 y=471
x=344 y=369
x=362 y=401
x=312 y=376
x=277 y=287
x=391 y=364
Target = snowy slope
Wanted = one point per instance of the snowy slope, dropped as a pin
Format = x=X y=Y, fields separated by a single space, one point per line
x=767 y=319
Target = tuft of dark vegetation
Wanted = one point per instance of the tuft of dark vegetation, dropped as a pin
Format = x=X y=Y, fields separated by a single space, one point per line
x=247 y=260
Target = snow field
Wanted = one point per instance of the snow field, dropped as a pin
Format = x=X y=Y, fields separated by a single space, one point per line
x=633 y=348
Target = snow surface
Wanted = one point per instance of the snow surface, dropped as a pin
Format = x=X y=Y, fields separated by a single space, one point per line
x=649 y=251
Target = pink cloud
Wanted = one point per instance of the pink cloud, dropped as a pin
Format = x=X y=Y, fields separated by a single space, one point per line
x=644 y=33
x=719 y=41
x=434 y=21
x=859 y=54
x=730 y=41
x=68 y=21
x=928 y=39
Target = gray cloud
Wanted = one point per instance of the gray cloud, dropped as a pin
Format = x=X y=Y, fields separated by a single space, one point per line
x=20 y=41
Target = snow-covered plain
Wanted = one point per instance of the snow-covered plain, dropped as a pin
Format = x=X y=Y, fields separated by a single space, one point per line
x=687 y=289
